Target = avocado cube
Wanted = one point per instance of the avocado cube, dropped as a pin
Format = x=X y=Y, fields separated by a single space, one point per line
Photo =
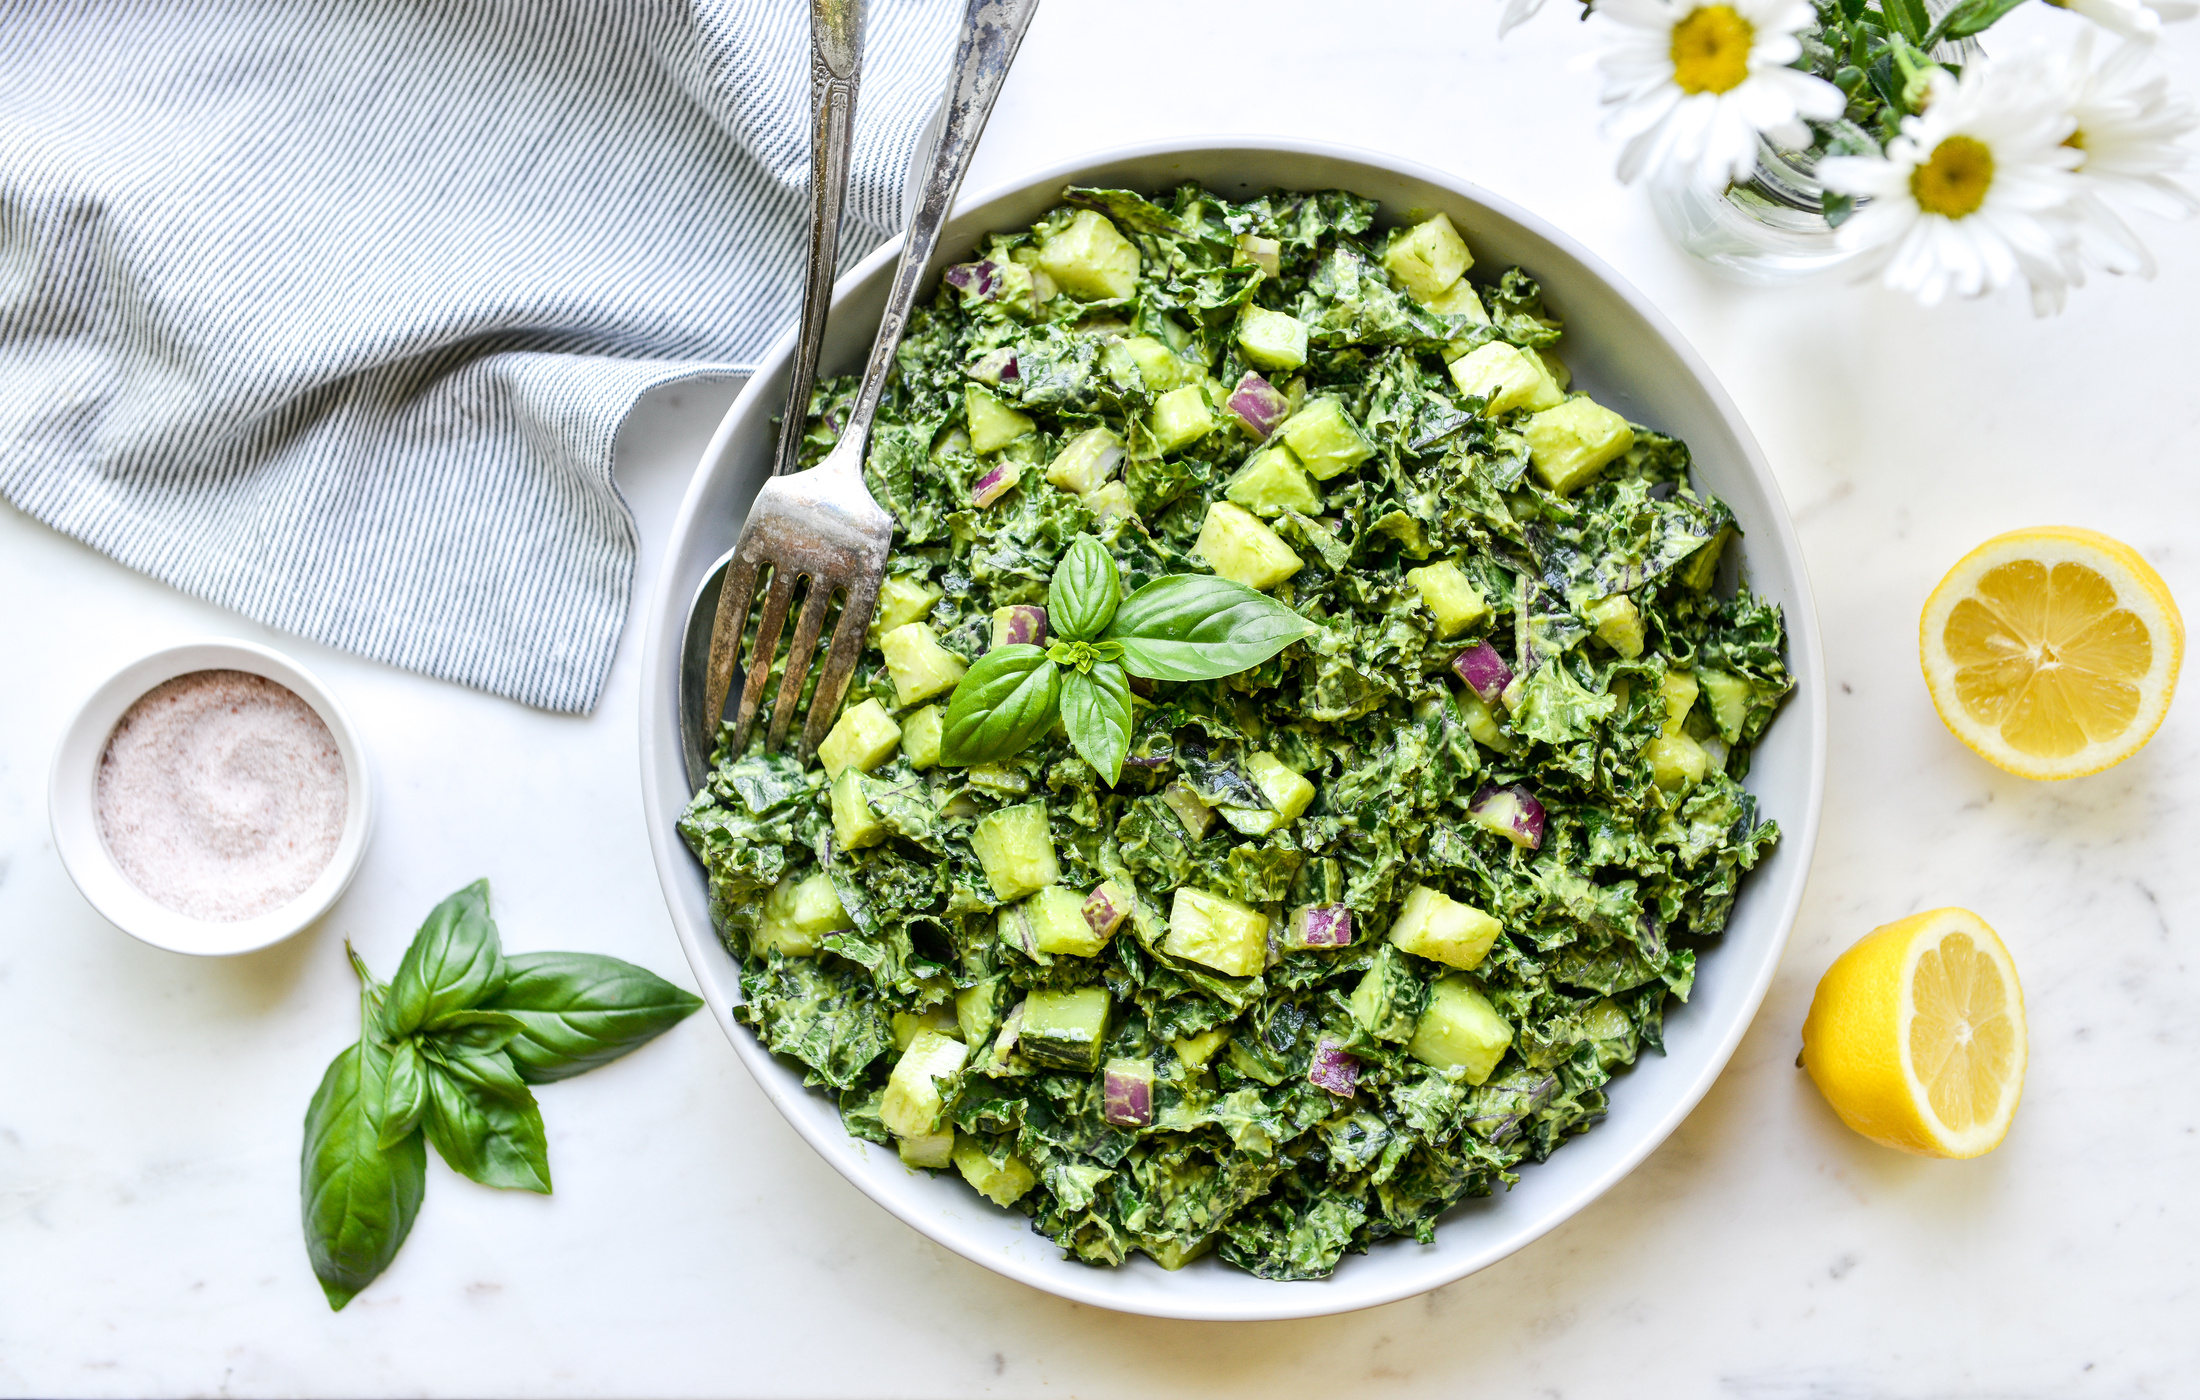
x=920 y=737
x=854 y=824
x=1460 y=300
x=864 y=737
x=993 y=424
x=902 y=599
x=1679 y=690
x=1571 y=443
x=797 y=913
x=996 y=1174
x=1180 y=418
x=1272 y=482
x=1196 y=1050
x=1505 y=377
x=1555 y=367
x=939 y=1019
x=1700 y=568
x=1325 y=439
x=1728 y=697
x=1207 y=929
x=933 y=1150
x=1016 y=848
x=1618 y=624
x=1481 y=721
x=1288 y=795
x=1271 y=339
x=920 y=666
x=1677 y=762
x=1090 y=259
x=1434 y=925
x=1111 y=502
x=1460 y=1030
x=1428 y=258
x=1086 y=462
x=1240 y=548
x=1158 y=365
x=1388 y=1001
x=1175 y=1252
x=1455 y=601
x=1058 y=923
x=1065 y=1029
x=913 y=1105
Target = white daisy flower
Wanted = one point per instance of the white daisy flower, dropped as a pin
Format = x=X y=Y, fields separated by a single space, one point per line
x=1972 y=195
x=2134 y=19
x=1695 y=84
x=1517 y=13
x=2129 y=122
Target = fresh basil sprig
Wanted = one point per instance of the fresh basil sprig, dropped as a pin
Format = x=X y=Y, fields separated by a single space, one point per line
x=445 y=1053
x=1185 y=627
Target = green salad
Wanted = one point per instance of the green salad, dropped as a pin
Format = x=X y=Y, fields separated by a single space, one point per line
x=1298 y=753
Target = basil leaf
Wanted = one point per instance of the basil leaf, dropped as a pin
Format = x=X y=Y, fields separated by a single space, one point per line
x=1085 y=592
x=576 y=1011
x=405 y=1095
x=1000 y=706
x=454 y=963
x=1197 y=627
x=488 y=1136
x=1096 y=709
x=358 y=1198
x=478 y=1032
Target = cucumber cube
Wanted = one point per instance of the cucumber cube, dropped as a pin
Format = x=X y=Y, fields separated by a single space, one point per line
x=1086 y=462
x=1263 y=253
x=1428 y=258
x=1389 y=999
x=1190 y=809
x=1272 y=482
x=1090 y=259
x=1207 y=929
x=920 y=737
x=1288 y=795
x=797 y=913
x=1271 y=339
x=920 y=666
x=1175 y=1252
x=979 y=1008
x=993 y=424
x=1017 y=850
x=939 y=1019
x=913 y=1105
x=1556 y=368
x=854 y=824
x=1180 y=418
x=864 y=737
x=1460 y=300
x=1677 y=762
x=1618 y=624
x=1196 y=1050
x=1111 y=502
x=1240 y=548
x=1460 y=1030
x=933 y=1150
x=1703 y=566
x=1506 y=377
x=1058 y=923
x=1679 y=690
x=1455 y=601
x=1065 y=1030
x=1481 y=721
x=1433 y=925
x=994 y=1173
x=1158 y=365
x=1571 y=443
x=1325 y=439
x=903 y=599
x=1727 y=695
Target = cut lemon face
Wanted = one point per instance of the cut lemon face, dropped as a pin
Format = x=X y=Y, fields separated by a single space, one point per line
x=1916 y=1035
x=2052 y=652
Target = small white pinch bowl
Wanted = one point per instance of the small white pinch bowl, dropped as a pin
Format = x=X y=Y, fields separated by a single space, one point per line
x=72 y=803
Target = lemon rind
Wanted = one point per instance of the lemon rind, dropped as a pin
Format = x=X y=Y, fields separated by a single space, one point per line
x=1988 y=1134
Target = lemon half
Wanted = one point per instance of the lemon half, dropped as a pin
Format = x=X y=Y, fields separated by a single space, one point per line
x=2052 y=652
x=1916 y=1035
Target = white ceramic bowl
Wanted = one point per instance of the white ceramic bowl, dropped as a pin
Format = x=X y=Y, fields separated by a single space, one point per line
x=1621 y=349
x=71 y=797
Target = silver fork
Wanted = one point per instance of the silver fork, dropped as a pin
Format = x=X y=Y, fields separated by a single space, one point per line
x=821 y=525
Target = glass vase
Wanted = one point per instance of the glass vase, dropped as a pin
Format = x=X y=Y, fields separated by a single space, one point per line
x=1768 y=230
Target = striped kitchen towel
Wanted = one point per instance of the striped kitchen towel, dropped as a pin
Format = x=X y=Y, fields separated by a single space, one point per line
x=328 y=311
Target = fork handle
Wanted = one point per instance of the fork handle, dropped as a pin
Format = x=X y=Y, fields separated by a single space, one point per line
x=836 y=68
x=992 y=30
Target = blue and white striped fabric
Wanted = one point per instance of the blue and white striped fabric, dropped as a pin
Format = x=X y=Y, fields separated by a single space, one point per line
x=329 y=312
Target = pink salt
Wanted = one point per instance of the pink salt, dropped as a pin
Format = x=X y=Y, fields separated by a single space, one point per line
x=221 y=795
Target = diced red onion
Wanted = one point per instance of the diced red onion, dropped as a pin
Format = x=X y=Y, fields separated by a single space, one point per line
x=995 y=484
x=1106 y=908
x=1126 y=1089
x=993 y=367
x=1333 y=1069
x=1023 y=624
x=1512 y=812
x=1321 y=926
x=1484 y=671
x=980 y=279
x=1258 y=404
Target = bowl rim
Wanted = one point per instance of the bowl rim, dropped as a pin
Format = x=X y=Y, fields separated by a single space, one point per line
x=72 y=812
x=1066 y=1278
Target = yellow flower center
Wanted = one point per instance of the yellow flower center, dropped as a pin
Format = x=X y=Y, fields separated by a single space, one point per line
x=1711 y=50
x=1954 y=182
x=2076 y=142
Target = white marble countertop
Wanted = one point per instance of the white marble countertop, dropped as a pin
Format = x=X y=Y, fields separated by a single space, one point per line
x=150 y=1104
